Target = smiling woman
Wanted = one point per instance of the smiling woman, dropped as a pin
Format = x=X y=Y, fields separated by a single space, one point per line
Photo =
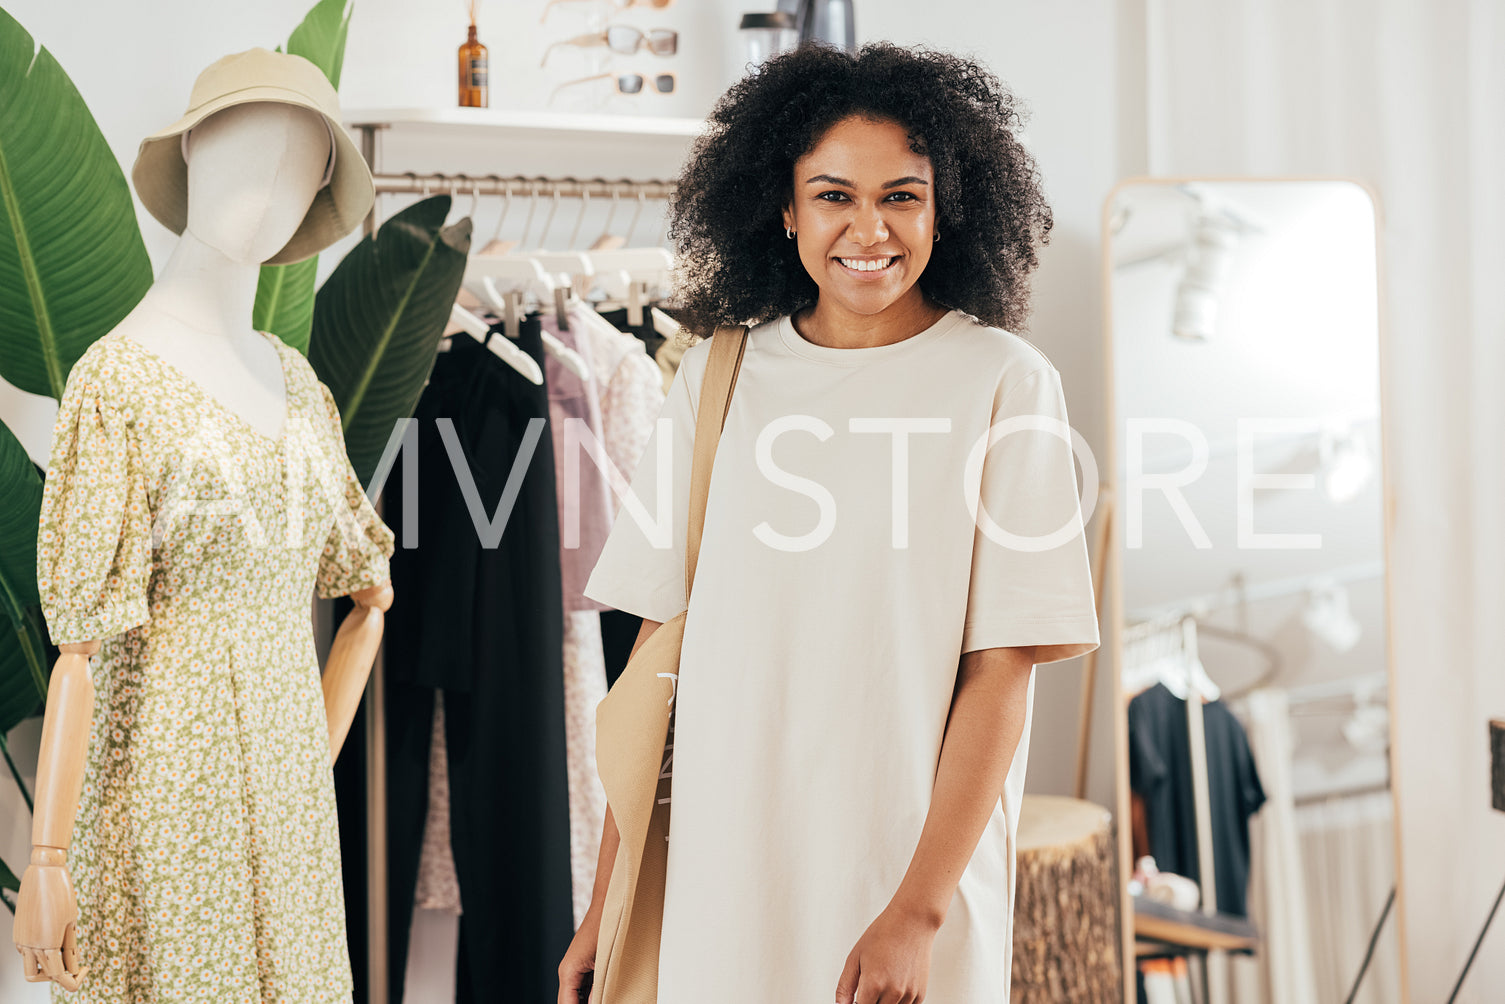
x=920 y=142
x=876 y=580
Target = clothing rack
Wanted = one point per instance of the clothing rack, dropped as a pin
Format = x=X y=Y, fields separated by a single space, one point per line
x=375 y=737
x=410 y=183
x=1184 y=627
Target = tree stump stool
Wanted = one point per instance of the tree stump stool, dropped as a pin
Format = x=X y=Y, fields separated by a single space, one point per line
x=1066 y=946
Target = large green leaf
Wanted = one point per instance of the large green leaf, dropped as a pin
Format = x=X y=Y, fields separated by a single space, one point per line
x=285 y=293
x=320 y=38
x=72 y=262
x=23 y=667
x=379 y=318
x=285 y=301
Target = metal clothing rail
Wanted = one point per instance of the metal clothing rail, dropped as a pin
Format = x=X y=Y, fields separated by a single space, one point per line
x=410 y=183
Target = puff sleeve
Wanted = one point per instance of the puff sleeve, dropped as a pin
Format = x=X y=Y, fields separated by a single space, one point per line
x=359 y=544
x=94 y=553
x=1030 y=580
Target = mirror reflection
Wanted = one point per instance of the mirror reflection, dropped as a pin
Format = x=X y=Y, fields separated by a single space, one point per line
x=1250 y=551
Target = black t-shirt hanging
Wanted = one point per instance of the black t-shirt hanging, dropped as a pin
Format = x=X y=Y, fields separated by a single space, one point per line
x=1160 y=771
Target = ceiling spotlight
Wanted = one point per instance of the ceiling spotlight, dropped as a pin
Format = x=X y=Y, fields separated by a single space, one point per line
x=1209 y=260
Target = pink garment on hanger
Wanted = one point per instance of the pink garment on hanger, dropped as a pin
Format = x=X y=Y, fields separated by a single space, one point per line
x=584 y=506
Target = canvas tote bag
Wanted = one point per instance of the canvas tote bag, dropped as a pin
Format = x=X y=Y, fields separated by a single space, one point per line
x=633 y=724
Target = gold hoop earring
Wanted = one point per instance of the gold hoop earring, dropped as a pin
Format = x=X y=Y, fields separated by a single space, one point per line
x=789 y=233
x=935 y=237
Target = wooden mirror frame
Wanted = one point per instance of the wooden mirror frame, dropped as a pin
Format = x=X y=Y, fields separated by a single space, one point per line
x=1112 y=621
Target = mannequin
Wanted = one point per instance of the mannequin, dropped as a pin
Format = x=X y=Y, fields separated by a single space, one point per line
x=254 y=169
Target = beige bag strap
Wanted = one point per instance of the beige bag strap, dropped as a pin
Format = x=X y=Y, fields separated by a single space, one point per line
x=727 y=346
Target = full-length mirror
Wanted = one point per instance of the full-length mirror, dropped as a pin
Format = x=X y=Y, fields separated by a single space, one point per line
x=1249 y=626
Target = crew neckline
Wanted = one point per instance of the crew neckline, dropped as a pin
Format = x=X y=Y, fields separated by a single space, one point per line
x=801 y=346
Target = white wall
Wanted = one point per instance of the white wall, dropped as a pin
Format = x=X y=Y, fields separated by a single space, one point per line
x=135 y=63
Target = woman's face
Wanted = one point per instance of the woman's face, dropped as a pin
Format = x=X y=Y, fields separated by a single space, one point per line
x=863 y=211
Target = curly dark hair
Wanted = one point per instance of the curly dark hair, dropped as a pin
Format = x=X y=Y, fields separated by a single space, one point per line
x=735 y=263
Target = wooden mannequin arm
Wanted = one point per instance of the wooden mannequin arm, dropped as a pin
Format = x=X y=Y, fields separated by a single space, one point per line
x=46 y=910
x=65 y=745
x=350 y=659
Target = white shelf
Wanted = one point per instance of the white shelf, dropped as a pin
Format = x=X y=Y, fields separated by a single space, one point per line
x=525 y=123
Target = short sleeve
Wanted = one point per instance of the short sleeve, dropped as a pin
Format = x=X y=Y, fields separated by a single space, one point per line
x=1030 y=580
x=94 y=533
x=357 y=551
x=641 y=569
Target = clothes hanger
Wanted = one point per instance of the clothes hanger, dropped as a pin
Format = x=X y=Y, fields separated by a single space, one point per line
x=568 y=270
x=502 y=281
x=633 y=277
x=502 y=348
x=609 y=241
x=496 y=245
x=1159 y=655
x=612 y=292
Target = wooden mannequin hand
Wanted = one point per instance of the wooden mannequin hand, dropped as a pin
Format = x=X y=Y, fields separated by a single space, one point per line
x=350 y=657
x=46 y=915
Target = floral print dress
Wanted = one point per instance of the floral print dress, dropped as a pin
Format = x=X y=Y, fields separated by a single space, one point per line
x=205 y=855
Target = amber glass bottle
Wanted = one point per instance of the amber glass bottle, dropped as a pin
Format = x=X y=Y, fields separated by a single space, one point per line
x=474 y=92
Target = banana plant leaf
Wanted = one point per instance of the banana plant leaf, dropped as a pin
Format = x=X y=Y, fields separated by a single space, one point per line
x=320 y=37
x=285 y=301
x=25 y=657
x=378 y=320
x=285 y=293
x=23 y=665
x=10 y=884
x=72 y=262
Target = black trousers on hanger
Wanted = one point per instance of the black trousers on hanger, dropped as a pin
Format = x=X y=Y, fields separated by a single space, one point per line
x=484 y=624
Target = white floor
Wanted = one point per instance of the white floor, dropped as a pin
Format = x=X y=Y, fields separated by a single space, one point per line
x=433 y=942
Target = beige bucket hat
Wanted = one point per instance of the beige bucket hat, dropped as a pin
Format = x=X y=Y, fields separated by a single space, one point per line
x=161 y=173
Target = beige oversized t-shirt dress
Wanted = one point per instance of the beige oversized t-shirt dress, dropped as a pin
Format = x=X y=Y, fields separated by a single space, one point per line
x=841 y=577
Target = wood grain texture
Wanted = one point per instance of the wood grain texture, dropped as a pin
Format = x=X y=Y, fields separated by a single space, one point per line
x=1066 y=935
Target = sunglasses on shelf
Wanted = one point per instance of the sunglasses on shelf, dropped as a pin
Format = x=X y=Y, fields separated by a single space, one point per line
x=618 y=4
x=623 y=38
x=627 y=83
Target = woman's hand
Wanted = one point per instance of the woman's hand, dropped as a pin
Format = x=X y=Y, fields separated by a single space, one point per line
x=891 y=961
x=579 y=959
